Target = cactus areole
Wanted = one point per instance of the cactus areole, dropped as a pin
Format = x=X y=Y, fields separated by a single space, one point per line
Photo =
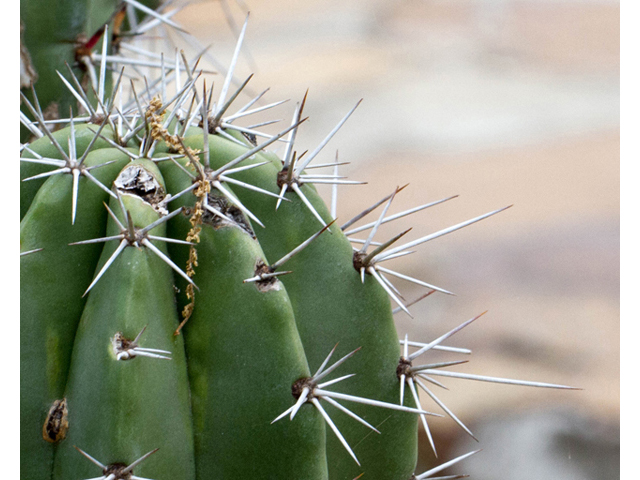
x=190 y=309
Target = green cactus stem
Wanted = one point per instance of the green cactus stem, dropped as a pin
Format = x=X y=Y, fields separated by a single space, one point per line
x=191 y=309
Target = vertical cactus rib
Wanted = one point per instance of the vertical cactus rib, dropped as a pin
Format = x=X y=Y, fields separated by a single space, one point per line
x=145 y=397
x=51 y=285
x=235 y=390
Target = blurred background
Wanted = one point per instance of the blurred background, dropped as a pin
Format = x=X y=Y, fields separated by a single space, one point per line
x=501 y=102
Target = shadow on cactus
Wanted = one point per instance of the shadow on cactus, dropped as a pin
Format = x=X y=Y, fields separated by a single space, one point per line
x=180 y=282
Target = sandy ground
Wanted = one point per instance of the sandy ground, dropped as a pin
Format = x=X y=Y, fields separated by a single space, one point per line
x=501 y=102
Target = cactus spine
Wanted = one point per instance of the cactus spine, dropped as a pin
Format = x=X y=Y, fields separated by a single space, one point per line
x=162 y=336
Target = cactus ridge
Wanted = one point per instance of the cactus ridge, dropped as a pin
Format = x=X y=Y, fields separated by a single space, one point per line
x=179 y=280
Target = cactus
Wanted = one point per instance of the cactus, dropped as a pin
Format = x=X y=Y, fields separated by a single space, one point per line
x=190 y=307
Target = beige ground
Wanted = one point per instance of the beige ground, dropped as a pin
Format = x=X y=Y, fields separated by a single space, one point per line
x=501 y=102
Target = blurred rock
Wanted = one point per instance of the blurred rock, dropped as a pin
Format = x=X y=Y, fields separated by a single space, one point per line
x=543 y=444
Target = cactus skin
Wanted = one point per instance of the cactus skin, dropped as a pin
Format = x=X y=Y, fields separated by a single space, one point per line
x=124 y=409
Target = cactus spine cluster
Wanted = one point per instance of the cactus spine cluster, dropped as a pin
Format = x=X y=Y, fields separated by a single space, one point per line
x=189 y=307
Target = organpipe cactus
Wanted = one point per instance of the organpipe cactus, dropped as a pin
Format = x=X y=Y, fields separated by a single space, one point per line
x=190 y=308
